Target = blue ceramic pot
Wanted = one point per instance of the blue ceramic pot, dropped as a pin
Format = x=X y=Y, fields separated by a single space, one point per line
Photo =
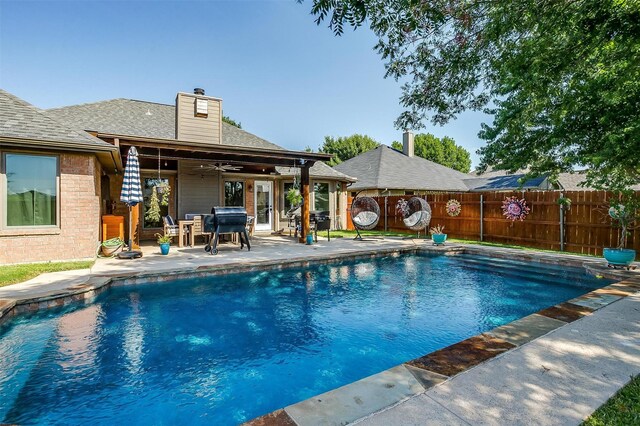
x=623 y=257
x=164 y=248
x=439 y=238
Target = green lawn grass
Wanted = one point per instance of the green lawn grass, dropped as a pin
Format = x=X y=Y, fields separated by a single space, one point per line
x=622 y=409
x=18 y=273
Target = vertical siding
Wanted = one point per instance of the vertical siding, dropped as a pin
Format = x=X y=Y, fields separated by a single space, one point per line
x=198 y=129
x=197 y=192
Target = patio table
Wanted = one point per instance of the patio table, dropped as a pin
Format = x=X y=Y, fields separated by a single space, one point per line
x=182 y=224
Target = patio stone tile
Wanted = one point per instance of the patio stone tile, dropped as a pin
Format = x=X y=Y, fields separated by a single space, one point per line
x=463 y=355
x=427 y=379
x=275 y=418
x=615 y=291
x=356 y=400
x=526 y=329
x=595 y=301
x=567 y=312
x=420 y=410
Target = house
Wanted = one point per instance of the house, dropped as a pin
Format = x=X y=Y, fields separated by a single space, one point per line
x=385 y=171
x=49 y=185
x=62 y=171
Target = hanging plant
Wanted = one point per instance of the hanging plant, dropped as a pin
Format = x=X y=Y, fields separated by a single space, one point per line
x=453 y=207
x=515 y=209
x=294 y=197
x=402 y=207
x=564 y=203
x=153 y=209
x=165 y=190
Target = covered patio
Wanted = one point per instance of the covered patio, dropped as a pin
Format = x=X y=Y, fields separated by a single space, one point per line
x=202 y=176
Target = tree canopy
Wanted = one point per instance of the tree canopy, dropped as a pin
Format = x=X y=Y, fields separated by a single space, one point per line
x=231 y=121
x=346 y=147
x=561 y=78
x=440 y=150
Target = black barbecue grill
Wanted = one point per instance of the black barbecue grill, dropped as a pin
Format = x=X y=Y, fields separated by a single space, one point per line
x=226 y=220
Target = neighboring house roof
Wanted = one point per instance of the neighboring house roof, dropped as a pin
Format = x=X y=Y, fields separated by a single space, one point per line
x=128 y=117
x=318 y=170
x=505 y=182
x=501 y=180
x=385 y=168
x=21 y=122
x=572 y=181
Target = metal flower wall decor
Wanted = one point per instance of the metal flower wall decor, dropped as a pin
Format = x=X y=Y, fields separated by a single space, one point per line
x=453 y=207
x=515 y=209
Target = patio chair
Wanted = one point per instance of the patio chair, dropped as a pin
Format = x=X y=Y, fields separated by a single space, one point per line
x=171 y=228
x=198 y=229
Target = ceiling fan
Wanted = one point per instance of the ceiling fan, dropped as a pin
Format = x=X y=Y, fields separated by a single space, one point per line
x=217 y=167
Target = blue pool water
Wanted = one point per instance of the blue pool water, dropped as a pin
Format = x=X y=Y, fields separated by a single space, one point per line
x=222 y=350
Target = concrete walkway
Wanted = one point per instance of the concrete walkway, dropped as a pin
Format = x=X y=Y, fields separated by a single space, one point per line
x=558 y=379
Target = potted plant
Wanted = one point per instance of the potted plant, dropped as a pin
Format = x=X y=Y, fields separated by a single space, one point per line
x=624 y=213
x=437 y=235
x=111 y=247
x=165 y=242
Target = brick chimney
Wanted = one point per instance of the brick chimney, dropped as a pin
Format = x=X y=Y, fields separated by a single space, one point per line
x=407 y=143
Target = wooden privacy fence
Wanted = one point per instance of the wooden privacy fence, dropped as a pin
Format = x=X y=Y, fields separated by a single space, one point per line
x=583 y=228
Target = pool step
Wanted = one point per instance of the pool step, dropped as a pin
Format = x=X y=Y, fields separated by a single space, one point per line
x=522 y=270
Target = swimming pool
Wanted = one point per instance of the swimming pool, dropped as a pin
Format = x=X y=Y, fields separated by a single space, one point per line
x=225 y=349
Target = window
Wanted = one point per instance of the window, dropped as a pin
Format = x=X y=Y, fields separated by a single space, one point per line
x=285 y=190
x=234 y=193
x=32 y=190
x=321 y=194
x=147 y=189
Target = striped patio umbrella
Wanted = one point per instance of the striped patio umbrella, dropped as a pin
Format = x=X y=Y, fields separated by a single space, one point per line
x=131 y=189
x=131 y=194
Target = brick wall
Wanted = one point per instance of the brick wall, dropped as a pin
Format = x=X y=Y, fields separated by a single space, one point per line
x=79 y=219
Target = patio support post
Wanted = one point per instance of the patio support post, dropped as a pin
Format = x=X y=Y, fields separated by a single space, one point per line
x=561 y=224
x=306 y=203
x=481 y=217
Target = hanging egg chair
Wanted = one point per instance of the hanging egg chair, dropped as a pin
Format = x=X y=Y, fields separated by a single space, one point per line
x=418 y=214
x=365 y=214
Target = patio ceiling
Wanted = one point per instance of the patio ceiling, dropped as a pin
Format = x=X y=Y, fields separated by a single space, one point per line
x=178 y=150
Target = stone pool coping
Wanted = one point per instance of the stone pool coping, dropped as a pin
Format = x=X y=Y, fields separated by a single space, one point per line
x=346 y=404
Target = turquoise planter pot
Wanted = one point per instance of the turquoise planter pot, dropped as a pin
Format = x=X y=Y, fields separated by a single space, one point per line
x=164 y=248
x=619 y=257
x=309 y=239
x=439 y=239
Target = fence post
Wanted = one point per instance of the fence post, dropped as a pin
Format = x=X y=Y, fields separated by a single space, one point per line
x=481 y=217
x=561 y=224
x=385 y=213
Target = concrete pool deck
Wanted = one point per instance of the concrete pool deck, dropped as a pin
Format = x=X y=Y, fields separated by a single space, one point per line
x=552 y=367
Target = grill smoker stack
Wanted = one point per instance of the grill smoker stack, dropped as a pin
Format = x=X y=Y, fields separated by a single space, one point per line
x=226 y=220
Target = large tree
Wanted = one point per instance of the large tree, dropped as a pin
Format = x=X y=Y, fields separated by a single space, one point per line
x=440 y=150
x=561 y=78
x=346 y=147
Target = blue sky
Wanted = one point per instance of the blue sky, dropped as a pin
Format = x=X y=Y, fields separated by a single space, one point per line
x=282 y=76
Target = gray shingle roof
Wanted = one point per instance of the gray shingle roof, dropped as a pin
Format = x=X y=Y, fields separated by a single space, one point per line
x=318 y=170
x=572 y=181
x=385 y=168
x=21 y=120
x=129 y=117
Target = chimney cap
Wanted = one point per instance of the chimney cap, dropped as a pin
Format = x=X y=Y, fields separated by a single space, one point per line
x=198 y=91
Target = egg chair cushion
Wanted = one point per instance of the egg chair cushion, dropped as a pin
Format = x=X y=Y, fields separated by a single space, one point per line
x=365 y=218
x=413 y=219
